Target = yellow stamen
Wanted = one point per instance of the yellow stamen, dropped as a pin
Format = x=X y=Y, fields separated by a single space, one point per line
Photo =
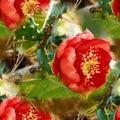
x=90 y=64
x=28 y=6
x=30 y=115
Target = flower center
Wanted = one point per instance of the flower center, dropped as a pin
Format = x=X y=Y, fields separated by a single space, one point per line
x=28 y=6
x=90 y=64
x=30 y=115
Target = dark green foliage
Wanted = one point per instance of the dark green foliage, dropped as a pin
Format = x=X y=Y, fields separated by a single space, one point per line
x=55 y=39
x=58 y=39
x=111 y=115
x=101 y=114
x=44 y=57
x=28 y=31
x=48 y=29
x=2 y=97
x=105 y=5
x=113 y=99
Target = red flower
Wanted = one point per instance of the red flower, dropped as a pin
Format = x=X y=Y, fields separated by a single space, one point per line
x=117 y=114
x=115 y=6
x=82 y=62
x=44 y=3
x=14 y=108
x=13 y=11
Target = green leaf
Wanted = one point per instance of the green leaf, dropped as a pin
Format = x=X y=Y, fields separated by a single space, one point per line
x=44 y=88
x=111 y=115
x=104 y=4
x=93 y=22
x=100 y=24
x=44 y=57
x=4 y=31
x=111 y=25
x=101 y=114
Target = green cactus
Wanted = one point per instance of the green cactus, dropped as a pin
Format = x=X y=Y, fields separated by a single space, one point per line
x=49 y=27
x=28 y=31
x=47 y=34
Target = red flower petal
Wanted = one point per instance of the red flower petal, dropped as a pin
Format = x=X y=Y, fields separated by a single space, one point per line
x=73 y=41
x=17 y=5
x=9 y=14
x=11 y=101
x=92 y=65
x=12 y=12
x=9 y=114
x=61 y=48
x=86 y=35
x=67 y=64
x=115 y=6
x=89 y=80
x=117 y=114
x=29 y=112
x=15 y=109
x=85 y=44
x=82 y=62
x=44 y=3
x=69 y=70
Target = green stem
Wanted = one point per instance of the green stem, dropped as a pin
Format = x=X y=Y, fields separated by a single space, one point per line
x=49 y=27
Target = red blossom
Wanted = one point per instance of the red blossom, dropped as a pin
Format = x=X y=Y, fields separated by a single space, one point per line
x=44 y=3
x=12 y=12
x=14 y=108
x=117 y=114
x=115 y=6
x=9 y=14
x=82 y=62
